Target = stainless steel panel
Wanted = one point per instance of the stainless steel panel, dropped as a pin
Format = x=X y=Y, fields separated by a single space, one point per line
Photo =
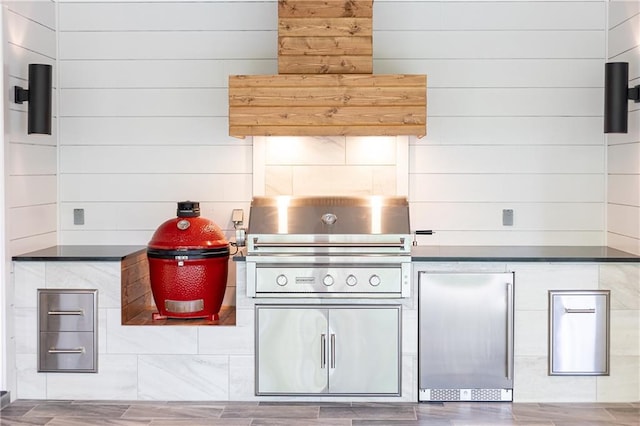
x=291 y=350
x=68 y=351
x=394 y=271
x=329 y=278
x=579 y=332
x=184 y=306
x=364 y=350
x=465 y=330
x=66 y=310
x=329 y=215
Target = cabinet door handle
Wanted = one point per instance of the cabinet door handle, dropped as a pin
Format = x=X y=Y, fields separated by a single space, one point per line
x=333 y=350
x=580 y=311
x=78 y=312
x=66 y=351
x=323 y=351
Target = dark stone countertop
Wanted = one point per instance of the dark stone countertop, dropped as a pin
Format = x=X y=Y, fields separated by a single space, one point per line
x=514 y=254
x=520 y=254
x=79 y=253
x=418 y=254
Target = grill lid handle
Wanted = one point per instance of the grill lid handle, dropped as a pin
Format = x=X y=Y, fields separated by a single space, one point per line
x=257 y=245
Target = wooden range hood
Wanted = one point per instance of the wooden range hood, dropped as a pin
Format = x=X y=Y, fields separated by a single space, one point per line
x=325 y=85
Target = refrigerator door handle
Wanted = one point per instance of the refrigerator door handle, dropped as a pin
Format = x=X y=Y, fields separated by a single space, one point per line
x=323 y=351
x=510 y=302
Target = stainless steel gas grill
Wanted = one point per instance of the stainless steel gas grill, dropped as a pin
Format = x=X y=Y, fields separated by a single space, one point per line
x=328 y=247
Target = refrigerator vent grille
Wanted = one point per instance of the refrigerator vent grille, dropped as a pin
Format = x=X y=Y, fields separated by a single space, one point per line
x=445 y=395
x=465 y=395
x=485 y=394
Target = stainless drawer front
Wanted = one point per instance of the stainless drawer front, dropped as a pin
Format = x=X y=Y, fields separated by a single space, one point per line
x=579 y=332
x=67 y=352
x=66 y=310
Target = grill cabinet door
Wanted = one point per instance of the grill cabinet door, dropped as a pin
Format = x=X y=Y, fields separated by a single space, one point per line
x=364 y=345
x=291 y=347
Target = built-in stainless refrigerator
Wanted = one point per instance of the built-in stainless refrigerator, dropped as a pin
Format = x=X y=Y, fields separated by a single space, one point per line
x=466 y=336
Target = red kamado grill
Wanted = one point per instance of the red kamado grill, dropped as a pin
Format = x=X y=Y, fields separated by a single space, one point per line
x=188 y=265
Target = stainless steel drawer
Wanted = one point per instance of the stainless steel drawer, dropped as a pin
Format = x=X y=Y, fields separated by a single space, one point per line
x=67 y=310
x=68 y=352
x=579 y=332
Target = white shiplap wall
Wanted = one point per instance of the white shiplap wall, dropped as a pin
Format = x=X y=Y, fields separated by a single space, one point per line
x=514 y=114
x=514 y=119
x=623 y=150
x=144 y=112
x=31 y=160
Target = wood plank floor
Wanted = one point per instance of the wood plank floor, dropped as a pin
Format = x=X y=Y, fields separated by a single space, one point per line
x=153 y=413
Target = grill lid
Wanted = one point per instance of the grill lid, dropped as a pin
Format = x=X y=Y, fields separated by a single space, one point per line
x=189 y=231
x=334 y=216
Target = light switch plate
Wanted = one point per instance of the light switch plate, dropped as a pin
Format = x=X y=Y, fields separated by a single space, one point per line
x=78 y=216
x=507 y=217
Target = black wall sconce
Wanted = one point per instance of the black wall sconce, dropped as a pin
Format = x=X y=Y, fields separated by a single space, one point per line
x=39 y=97
x=616 y=94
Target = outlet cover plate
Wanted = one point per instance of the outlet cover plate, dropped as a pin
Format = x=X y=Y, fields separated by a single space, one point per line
x=78 y=216
x=507 y=217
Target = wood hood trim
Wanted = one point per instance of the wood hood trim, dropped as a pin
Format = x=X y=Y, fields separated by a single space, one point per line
x=327 y=105
x=325 y=85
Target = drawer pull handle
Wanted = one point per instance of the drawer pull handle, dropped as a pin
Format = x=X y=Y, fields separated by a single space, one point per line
x=66 y=351
x=580 y=311
x=79 y=312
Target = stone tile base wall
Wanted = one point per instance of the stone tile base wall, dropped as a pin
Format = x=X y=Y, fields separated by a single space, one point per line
x=134 y=362
x=217 y=362
x=532 y=283
x=187 y=363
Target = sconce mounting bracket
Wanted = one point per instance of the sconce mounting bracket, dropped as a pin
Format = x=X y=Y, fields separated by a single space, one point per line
x=634 y=93
x=20 y=95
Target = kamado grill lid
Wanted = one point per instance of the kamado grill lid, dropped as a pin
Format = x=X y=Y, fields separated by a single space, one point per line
x=188 y=233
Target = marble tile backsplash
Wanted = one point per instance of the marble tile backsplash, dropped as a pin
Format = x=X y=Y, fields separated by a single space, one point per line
x=356 y=166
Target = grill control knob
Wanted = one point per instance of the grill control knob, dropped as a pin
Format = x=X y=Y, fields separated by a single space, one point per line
x=374 y=280
x=281 y=280
x=328 y=280
x=352 y=280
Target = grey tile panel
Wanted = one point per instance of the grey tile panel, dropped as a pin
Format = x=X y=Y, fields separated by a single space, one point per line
x=282 y=411
x=399 y=412
x=172 y=411
x=22 y=421
x=267 y=413
x=49 y=409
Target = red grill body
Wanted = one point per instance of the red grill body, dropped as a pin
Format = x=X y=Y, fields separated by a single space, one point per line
x=188 y=266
